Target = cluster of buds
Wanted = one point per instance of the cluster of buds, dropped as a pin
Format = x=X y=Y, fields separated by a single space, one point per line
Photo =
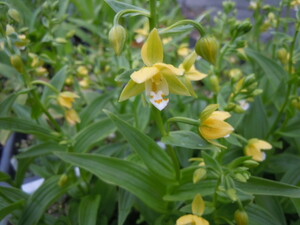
x=240 y=28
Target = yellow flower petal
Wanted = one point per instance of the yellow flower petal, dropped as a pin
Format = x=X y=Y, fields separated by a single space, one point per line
x=191 y=220
x=262 y=144
x=220 y=115
x=176 y=86
x=213 y=129
x=168 y=69
x=66 y=99
x=198 y=205
x=131 y=89
x=72 y=116
x=144 y=74
x=256 y=153
x=194 y=74
x=152 y=50
x=208 y=111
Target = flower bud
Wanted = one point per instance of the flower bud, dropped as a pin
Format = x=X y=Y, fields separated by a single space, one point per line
x=41 y=71
x=241 y=217
x=250 y=79
x=208 y=47
x=232 y=194
x=250 y=163
x=9 y=30
x=235 y=74
x=242 y=28
x=240 y=177
x=257 y=92
x=238 y=109
x=17 y=62
x=15 y=15
x=296 y=102
x=283 y=55
x=199 y=175
x=228 y=6
x=63 y=180
x=117 y=38
x=214 y=80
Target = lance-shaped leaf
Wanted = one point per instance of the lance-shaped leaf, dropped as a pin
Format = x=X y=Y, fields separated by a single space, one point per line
x=155 y=158
x=127 y=175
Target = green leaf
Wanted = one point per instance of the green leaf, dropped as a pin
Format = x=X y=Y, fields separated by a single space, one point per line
x=88 y=210
x=273 y=206
x=57 y=81
x=296 y=203
x=10 y=208
x=92 y=110
x=4 y=177
x=189 y=190
x=125 y=202
x=255 y=123
x=292 y=129
x=92 y=134
x=186 y=139
x=153 y=156
x=6 y=104
x=275 y=74
x=260 y=216
x=24 y=126
x=12 y=194
x=40 y=149
x=10 y=72
x=261 y=186
x=125 y=174
x=119 y=6
x=44 y=196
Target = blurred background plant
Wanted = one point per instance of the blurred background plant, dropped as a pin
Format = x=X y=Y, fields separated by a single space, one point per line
x=63 y=66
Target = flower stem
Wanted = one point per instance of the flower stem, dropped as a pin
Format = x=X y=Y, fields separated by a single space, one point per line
x=170 y=150
x=195 y=24
x=153 y=15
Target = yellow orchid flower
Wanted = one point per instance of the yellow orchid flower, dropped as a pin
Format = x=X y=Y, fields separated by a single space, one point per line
x=191 y=220
x=157 y=78
x=72 y=117
x=213 y=125
x=66 y=99
x=254 y=147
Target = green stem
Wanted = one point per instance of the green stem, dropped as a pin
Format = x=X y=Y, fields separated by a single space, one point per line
x=170 y=150
x=290 y=67
x=195 y=24
x=153 y=15
x=182 y=120
x=239 y=137
x=127 y=11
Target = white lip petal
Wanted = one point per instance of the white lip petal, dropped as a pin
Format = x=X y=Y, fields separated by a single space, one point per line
x=158 y=100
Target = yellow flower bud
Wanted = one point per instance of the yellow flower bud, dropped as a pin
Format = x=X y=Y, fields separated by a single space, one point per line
x=17 y=62
x=283 y=55
x=198 y=205
x=241 y=217
x=66 y=99
x=63 y=180
x=199 y=174
x=296 y=102
x=191 y=220
x=15 y=15
x=235 y=74
x=117 y=38
x=254 y=147
x=22 y=41
x=41 y=71
x=213 y=125
x=232 y=194
x=9 y=30
x=208 y=47
x=82 y=71
x=72 y=116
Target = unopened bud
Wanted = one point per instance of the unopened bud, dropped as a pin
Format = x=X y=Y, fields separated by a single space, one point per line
x=214 y=80
x=241 y=28
x=240 y=177
x=208 y=47
x=241 y=217
x=228 y=6
x=250 y=79
x=17 y=62
x=63 y=180
x=117 y=38
x=41 y=71
x=250 y=163
x=235 y=74
x=9 y=30
x=15 y=15
x=283 y=55
x=232 y=194
x=238 y=109
x=257 y=92
x=199 y=174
